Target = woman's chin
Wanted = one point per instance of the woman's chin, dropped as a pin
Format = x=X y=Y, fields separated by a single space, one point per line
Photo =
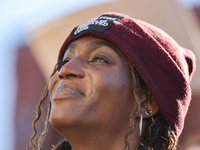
x=60 y=121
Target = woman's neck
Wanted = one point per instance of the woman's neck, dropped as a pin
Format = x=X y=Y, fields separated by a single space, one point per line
x=90 y=138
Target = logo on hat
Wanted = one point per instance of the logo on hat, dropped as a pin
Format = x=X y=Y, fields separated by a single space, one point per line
x=99 y=24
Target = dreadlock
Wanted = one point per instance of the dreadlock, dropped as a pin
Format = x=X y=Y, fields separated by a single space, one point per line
x=39 y=112
x=158 y=135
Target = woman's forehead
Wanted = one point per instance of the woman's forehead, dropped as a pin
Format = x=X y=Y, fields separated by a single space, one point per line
x=90 y=42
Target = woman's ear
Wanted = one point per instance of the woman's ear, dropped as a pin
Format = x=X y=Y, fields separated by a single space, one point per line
x=148 y=105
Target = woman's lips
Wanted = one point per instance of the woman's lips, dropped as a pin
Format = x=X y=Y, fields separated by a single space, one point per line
x=67 y=92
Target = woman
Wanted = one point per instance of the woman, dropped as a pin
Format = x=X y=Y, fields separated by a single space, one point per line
x=119 y=83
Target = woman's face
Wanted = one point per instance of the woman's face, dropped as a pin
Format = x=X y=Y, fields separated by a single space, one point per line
x=92 y=88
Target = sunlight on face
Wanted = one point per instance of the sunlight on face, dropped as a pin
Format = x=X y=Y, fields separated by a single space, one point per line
x=92 y=88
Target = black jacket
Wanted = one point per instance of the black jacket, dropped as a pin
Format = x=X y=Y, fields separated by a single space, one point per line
x=63 y=145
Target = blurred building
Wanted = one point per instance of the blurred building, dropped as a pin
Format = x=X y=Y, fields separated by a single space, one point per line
x=34 y=66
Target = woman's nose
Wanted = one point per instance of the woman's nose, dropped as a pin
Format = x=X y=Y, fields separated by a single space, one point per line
x=73 y=68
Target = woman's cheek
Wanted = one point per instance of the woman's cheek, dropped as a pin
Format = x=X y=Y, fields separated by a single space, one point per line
x=53 y=83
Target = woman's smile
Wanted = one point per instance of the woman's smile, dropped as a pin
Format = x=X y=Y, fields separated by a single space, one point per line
x=66 y=92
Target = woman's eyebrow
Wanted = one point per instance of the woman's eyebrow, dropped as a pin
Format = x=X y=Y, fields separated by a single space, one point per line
x=101 y=43
x=71 y=47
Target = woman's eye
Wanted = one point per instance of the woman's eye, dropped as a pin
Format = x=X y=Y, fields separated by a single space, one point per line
x=99 y=59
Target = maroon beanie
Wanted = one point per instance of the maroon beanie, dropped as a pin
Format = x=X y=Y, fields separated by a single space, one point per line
x=165 y=67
